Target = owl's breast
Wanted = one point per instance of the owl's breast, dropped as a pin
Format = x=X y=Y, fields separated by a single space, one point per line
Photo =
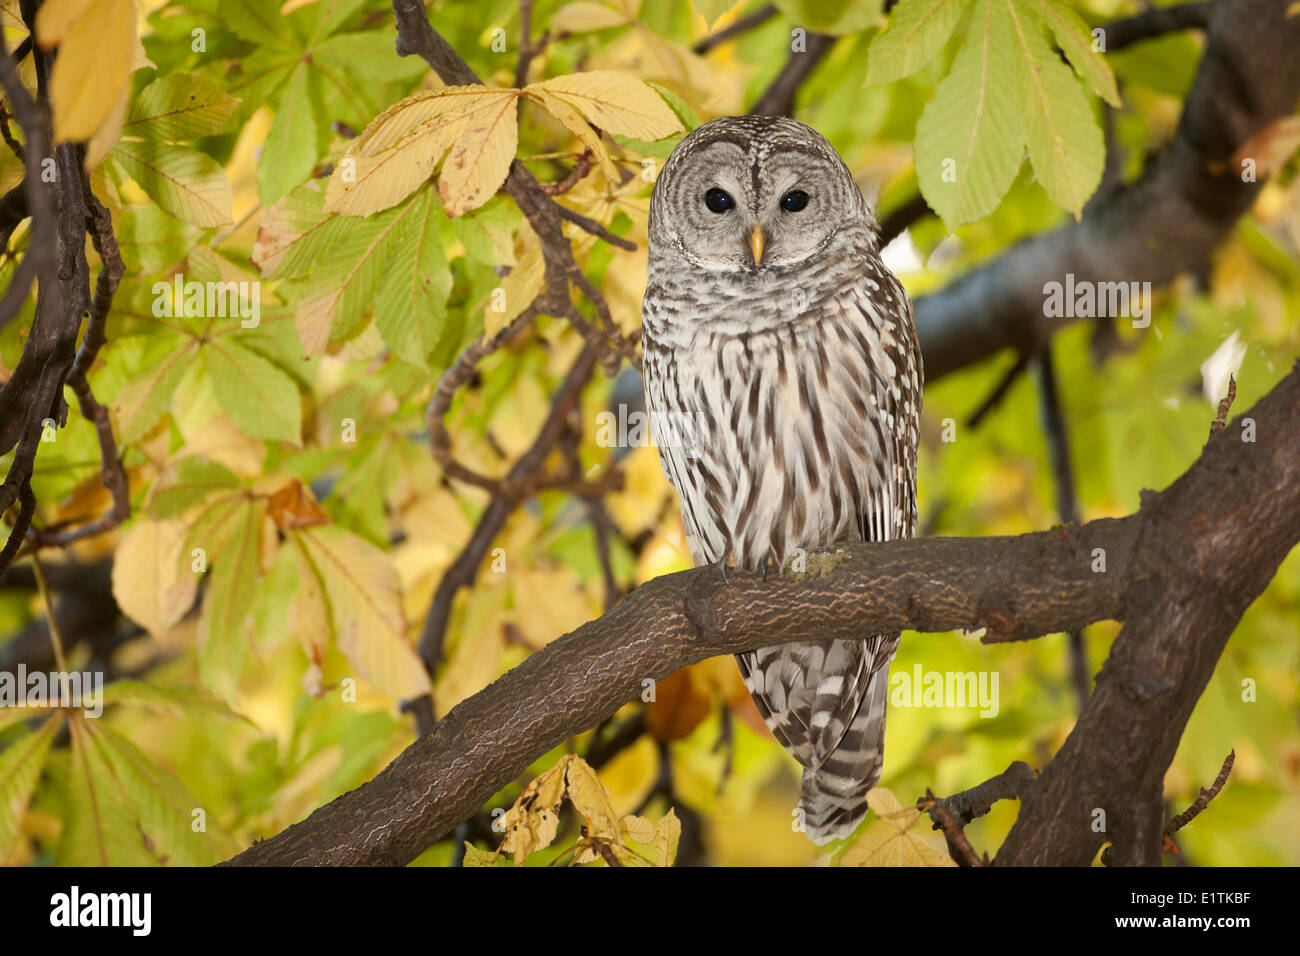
x=784 y=437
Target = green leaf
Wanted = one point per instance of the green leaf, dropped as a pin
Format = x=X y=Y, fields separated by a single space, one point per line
x=100 y=829
x=917 y=31
x=1065 y=143
x=412 y=302
x=195 y=481
x=146 y=398
x=360 y=586
x=368 y=55
x=1166 y=64
x=192 y=703
x=970 y=138
x=223 y=627
x=162 y=809
x=179 y=106
x=290 y=150
x=185 y=183
x=257 y=22
x=262 y=400
x=151 y=240
x=20 y=769
x=1075 y=41
x=341 y=289
x=295 y=232
x=685 y=115
x=487 y=233
x=325 y=16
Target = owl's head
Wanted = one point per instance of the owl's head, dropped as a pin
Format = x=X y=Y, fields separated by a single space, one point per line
x=754 y=194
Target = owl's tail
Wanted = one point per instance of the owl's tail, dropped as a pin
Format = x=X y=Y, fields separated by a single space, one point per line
x=834 y=794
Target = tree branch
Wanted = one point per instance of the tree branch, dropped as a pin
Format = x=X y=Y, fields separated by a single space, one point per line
x=1166 y=222
x=778 y=99
x=1180 y=572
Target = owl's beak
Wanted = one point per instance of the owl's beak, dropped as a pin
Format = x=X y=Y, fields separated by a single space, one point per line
x=756 y=242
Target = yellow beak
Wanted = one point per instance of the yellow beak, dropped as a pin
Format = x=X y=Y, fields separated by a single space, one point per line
x=756 y=243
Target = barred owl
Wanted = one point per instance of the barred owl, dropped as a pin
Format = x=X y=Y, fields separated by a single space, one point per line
x=783 y=380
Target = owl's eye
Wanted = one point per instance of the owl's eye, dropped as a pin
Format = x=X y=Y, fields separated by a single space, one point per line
x=718 y=200
x=794 y=200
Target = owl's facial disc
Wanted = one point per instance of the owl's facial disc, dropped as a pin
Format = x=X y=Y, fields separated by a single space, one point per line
x=738 y=211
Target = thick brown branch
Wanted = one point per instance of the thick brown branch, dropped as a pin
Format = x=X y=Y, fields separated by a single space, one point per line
x=1239 y=511
x=1155 y=22
x=1218 y=532
x=778 y=99
x=1165 y=223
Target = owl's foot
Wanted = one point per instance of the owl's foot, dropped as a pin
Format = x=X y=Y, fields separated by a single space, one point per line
x=722 y=567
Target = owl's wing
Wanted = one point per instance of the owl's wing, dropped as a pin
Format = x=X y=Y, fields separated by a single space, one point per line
x=673 y=425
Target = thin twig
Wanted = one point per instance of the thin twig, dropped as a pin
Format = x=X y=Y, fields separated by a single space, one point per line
x=959 y=847
x=1067 y=501
x=56 y=639
x=1225 y=404
x=999 y=391
x=743 y=25
x=1011 y=784
x=1203 y=800
x=901 y=218
x=595 y=228
x=1155 y=22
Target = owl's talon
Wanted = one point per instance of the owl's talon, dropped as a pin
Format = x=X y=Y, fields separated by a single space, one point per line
x=722 y=568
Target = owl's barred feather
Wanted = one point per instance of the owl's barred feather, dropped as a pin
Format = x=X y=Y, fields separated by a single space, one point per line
x=801 y=378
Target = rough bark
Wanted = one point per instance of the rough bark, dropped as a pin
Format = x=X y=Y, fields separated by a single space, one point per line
x=1166 y=222
x=1180 y=572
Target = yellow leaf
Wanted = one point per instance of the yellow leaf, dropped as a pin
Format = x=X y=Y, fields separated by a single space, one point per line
x=591 y=799
x=108 y=134
x=880 y=846
x=885 y=805
x=563 y=111
x=480 y=159
x=365 y=609
x=584 y=16
x=148 y=582
x=637 y=828
x=366 y=182
x=403 y=145
x=531 y=824
x=477 y=653
x=96 y=41
x=618 y=103
x=517 y=290
x=476 y=857
x=309 y=614
x=409 y=116
x=56 y=18
x=710 y=87
x=889 y=841
x=668 y=834
x=549 y=602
